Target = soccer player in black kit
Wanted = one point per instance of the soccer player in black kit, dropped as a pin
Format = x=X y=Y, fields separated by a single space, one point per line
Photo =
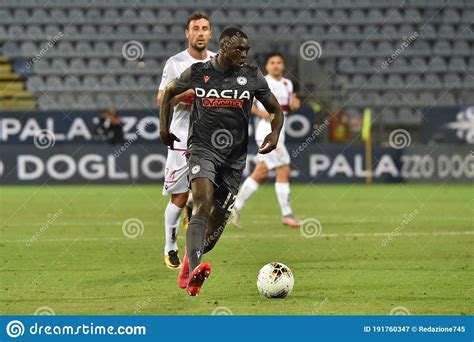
x=224 y=90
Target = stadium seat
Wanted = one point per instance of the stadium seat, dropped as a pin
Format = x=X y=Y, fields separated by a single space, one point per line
x=457 y=64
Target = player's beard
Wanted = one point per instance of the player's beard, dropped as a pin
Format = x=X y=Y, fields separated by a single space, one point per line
x=198 y=47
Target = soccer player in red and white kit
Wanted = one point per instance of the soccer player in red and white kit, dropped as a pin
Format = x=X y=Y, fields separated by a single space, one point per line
x=278 y=159
x=198 y=33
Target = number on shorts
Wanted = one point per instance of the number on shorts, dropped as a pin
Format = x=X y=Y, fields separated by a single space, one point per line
x=229 y=201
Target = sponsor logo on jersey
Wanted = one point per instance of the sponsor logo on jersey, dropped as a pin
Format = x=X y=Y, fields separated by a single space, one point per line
x=211 y=102
x=224 y=94
x=206 y=78
x=225 y=98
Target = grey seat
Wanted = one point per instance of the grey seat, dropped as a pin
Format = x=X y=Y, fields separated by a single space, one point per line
x=52 y=30
x=64 y=49
x=88 y=30
x=48 y=102
x=141 y=30
x=53 y=83
x=28 y=49
x=457 y=64
x=40 y=15
x=111 y=14
x=451 y=80
x=77 y=64
x=21 y=15
x=42 y=66
x=34 y=31
x=96 y=64
x=114 y=64
x=35 y=83
x=83 y=48
x=108 y=82
x=442 y=47
x=66 y=101
x=5 y=15
x=71 y=83
x=128 y=82
x=461 y=47
x=468 y=81
x=90 y=82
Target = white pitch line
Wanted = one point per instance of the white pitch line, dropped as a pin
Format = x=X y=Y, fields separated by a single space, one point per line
x=232 y=236
x=257 y=221
x=400 y=234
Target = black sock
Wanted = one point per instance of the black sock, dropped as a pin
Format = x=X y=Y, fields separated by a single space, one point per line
x=195 y=240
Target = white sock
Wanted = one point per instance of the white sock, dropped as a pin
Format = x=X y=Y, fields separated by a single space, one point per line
x=283 y=194
x=172 y=214
x=246 y=191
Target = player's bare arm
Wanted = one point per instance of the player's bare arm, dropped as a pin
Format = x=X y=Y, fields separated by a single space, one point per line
x=170 y=92
x=177 y=99
x=295 y=102
x=165 y=114
x=260 y=113
x=276 y=119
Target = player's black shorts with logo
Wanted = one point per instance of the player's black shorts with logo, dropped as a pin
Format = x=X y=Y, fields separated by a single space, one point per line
x=226 y=179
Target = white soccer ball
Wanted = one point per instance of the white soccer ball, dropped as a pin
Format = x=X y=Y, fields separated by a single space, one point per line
x=275 y=280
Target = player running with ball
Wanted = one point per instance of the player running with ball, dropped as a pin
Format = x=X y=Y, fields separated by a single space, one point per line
x=279 y=159
x=198 y=32
x=217 y=145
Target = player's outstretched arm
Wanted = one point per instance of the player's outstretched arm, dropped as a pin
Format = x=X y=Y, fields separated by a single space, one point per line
x=174 y=88
x=276 y=119
x=260 y=113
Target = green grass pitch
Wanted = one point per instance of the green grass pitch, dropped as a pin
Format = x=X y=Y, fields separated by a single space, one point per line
x=80 y=262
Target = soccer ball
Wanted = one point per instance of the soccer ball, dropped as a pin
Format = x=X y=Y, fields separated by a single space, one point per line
x=275 y=280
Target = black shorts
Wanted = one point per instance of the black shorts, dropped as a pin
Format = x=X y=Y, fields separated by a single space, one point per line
x=226 y=180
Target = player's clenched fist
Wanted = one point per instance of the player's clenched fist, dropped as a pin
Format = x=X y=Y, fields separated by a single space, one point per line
x=269 y=143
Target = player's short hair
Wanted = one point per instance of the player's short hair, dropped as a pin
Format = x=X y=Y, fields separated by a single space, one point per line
x=274 y=54
x=197 y=16
x=230 y=32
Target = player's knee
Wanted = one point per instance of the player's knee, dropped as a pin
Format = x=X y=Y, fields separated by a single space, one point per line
x=283 y=173
x=202 y=205
x=179 y=200
x=260 y=174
